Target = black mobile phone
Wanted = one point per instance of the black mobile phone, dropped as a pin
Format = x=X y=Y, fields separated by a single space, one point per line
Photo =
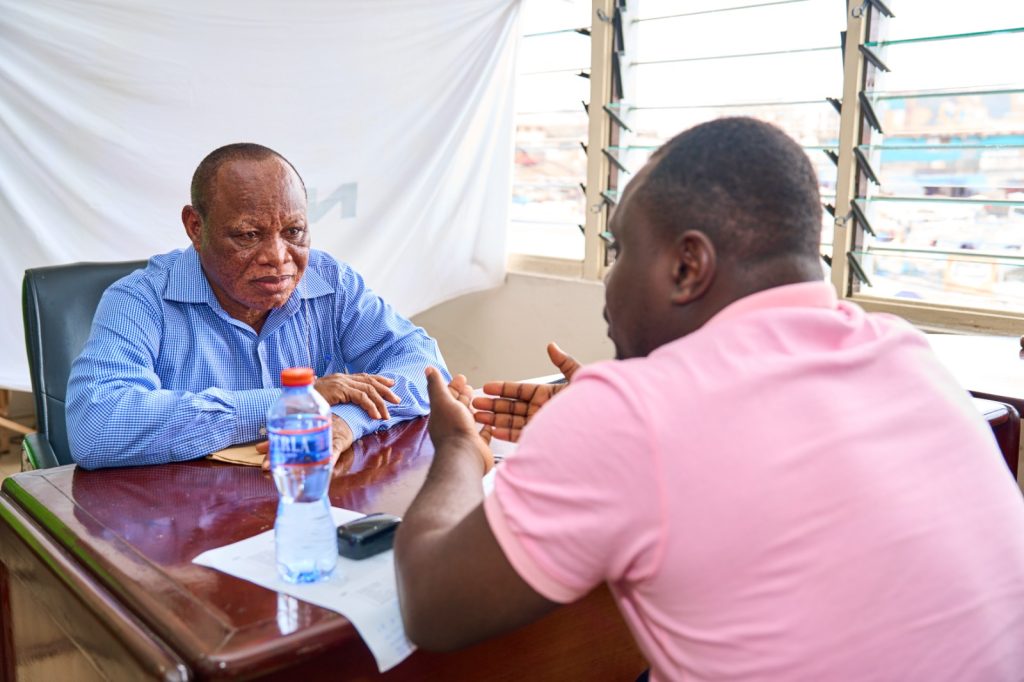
x=367 y=536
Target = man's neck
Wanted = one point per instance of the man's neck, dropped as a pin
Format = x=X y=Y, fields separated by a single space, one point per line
x=733 y=286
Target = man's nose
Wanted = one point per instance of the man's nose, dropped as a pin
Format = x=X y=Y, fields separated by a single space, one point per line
x=275 y=251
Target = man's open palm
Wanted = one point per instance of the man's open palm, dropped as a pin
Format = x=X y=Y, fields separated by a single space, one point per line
x=515 y=403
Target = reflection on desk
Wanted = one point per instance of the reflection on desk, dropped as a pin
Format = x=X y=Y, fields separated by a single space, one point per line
x=102 y=559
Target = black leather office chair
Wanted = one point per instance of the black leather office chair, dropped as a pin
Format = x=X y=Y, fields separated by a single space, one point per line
x=58 y=304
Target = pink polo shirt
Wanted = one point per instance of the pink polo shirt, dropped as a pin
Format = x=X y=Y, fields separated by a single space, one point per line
x=797 y=491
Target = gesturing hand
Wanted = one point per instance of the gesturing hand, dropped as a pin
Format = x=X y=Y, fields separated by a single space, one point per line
x=451 y=416
x=369 y=391
x=517 y=402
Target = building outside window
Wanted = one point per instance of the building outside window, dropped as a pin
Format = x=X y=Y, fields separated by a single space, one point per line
x=937 y=205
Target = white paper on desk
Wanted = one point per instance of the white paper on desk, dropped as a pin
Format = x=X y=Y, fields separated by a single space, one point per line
x=363 y=591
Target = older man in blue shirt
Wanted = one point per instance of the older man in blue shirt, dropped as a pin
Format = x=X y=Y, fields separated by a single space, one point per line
x=185 y=355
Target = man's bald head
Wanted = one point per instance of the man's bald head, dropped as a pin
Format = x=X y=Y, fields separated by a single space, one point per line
x=203 y=180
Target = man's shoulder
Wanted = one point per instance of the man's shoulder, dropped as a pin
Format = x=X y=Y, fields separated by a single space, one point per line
x=327 y=266
x=625 y=382
x=321 y=260
x=333 y=274
x=150 y=280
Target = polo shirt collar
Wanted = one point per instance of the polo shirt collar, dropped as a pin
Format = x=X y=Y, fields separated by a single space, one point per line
x=801 y=295
x=188 y=284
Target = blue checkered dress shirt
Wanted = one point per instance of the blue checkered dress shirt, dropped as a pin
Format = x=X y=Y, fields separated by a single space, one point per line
x=167 y=375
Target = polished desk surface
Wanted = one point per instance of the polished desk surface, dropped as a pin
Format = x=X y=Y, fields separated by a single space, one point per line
x=136 y=531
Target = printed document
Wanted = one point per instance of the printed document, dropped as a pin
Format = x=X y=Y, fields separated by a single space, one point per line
x=363 y=591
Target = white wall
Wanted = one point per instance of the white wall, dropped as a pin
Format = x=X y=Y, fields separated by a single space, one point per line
x=501 y=333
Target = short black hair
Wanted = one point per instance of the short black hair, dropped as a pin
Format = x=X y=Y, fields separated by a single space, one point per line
x=744 y=183
x=206 y=171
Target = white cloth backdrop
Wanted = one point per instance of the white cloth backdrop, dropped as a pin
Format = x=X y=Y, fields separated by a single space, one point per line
x=398 y=114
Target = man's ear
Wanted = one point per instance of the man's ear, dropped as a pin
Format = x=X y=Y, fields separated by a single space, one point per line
x=693 y=266
x=193 y=223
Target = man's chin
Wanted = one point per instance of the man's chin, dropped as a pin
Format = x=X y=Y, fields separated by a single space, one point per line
x=268 y=302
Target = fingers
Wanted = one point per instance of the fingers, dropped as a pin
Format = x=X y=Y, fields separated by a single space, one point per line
x=457 y=383
x=518 y=407
x=486 y=433
x=466 y=397
x=506 y=406
x=345 y=388
x=461 y=390
x=508 y=434
x=382 y=385
x=511 y=389
x=483 y=403
x=500 y=421
x=565 y=363
x=378 y=400
x=263 y=448
x=367 y=398
x=436 y=388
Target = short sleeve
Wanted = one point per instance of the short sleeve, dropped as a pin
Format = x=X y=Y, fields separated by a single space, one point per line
x=580 y=502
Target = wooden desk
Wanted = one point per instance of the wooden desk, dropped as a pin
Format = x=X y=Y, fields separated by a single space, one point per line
x=96 y=581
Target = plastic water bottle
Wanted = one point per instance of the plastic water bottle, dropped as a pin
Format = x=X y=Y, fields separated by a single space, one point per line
x=299 y=426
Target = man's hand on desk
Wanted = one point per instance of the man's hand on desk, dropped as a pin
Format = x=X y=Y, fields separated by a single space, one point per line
x=341 y=440
x=516 y=402
x=369 y=391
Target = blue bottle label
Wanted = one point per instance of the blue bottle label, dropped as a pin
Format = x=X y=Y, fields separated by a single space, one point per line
x=307 y=446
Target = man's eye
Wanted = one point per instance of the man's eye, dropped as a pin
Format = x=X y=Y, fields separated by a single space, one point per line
x=295 y=232
x=248 y=236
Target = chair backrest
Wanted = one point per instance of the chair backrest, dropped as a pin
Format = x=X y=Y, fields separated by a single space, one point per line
x=58 y=304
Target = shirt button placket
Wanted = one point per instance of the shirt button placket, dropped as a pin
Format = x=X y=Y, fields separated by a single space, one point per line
x=261 y=356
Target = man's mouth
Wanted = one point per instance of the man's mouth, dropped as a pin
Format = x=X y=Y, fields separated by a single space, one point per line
x=274 y=283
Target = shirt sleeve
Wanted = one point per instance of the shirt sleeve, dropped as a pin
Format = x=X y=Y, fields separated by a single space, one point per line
x=580 y=501
x=119 y=415
x=374 y=339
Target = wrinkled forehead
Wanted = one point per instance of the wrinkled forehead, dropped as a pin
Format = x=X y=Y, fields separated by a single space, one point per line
x=264 y=185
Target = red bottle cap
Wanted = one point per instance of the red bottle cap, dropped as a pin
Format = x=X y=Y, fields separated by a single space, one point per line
x=297 y=376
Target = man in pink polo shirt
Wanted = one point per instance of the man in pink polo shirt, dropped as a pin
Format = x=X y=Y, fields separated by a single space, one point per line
x=774 y=484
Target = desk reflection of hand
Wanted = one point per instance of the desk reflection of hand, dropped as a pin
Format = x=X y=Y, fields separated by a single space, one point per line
x=516 y=403
x=343 y=462
x=378 y=456
x=376 y=467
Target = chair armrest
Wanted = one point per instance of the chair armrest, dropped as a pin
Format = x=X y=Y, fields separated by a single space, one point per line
x=38 y=451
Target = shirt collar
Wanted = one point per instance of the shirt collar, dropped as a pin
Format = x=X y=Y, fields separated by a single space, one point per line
x=801 y=295
x=188 y=284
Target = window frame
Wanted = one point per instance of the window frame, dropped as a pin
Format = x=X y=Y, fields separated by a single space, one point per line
x=846 y=235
